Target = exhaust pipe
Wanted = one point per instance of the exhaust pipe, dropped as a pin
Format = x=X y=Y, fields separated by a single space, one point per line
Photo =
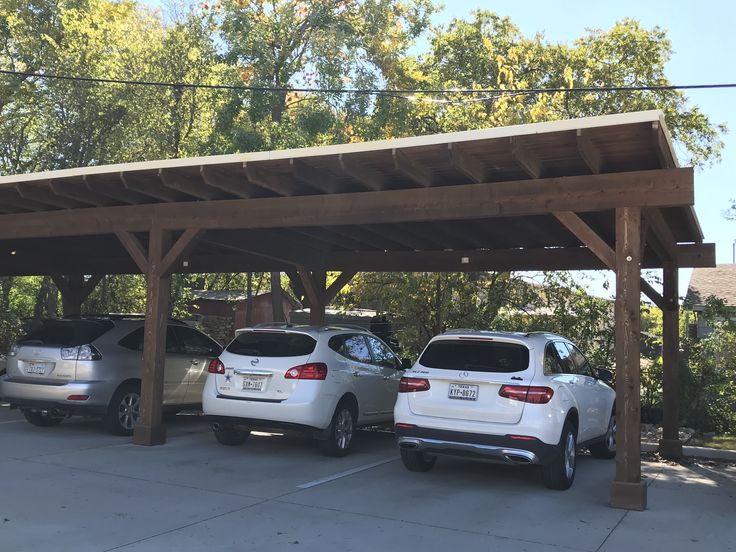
x=517 y=459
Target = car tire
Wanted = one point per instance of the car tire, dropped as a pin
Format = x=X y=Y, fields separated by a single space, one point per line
x=606 y=448
x=123 y=410
x=560 y=472
x=42 y=419
x=417 y=461
x=339 y=432
x=230 y=436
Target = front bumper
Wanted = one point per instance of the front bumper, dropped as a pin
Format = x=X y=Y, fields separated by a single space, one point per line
x=502 y=449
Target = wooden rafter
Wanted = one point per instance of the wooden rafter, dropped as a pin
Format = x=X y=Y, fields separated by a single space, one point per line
x=356 y=170
x=466 y=163
x=525 y=158
x=152 y=189
x=412 y=170
x=321 y=180
x=184 y=185
x=45 y=196
x=588 y=151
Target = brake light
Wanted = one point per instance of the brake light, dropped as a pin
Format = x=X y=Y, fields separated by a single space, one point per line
x=311 y=371
x=82 y=352
x=405 y=426
x=527 y=394
x=408 y=385
x=77 y=397
x=216 y=366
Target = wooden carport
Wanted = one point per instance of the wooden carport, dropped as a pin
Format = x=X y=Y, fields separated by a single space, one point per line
x=596 y=193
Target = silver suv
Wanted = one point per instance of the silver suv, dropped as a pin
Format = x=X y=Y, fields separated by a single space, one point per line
x=92 y=366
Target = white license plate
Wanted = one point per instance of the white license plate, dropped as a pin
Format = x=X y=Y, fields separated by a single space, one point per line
x=463 y=392
x=253 y=384
x=36 y=368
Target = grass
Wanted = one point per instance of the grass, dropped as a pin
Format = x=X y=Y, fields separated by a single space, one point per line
x=725 y=442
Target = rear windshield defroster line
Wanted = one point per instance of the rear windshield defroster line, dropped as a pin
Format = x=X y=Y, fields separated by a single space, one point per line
x=272 y=344
x=67 y=333
x=476 y=356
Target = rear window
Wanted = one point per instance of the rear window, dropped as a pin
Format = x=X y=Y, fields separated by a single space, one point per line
x=67 y=333
x=272 y=344
x=475 y=356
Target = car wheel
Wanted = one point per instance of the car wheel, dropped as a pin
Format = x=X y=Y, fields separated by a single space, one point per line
x=230 y=436
x=340 y=432
x=124 y=409
x=42 y=419
x=560 y=473
x=607 y=447
x=417 y=461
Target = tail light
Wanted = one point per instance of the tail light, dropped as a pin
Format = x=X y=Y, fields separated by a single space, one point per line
x=407 y=385
x=311 y=371
x=82 y=352
x=216 y=366
x=527 y=394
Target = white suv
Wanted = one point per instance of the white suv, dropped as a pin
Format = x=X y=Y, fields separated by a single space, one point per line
x=507 y=397
x=326 y=380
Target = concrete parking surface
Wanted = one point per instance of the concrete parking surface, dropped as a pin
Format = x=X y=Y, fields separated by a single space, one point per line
x=73 y=487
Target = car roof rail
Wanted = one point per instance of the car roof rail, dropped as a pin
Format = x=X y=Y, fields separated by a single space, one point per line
x=345 y=327
x=273 y=325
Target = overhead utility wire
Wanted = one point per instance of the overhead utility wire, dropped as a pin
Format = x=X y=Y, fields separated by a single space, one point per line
x=367 y=91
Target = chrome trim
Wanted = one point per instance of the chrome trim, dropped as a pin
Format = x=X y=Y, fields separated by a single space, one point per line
x=245 y=372
x=503 y=455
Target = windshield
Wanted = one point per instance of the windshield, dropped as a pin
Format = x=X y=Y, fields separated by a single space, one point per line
x=472 y=355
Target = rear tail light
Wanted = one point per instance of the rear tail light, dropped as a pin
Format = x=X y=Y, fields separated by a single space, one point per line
x=77 y=397
x=82 y=352
x=405 y=426
x=527 y=394
x=311 y=371
x=216 y=366
x=407 y=385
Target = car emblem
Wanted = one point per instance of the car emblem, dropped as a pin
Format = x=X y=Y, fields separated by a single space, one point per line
x=254 y=362
x=463 y=375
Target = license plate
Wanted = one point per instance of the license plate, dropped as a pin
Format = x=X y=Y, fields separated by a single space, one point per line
x=253 y=384
x=463 y=392
x=36 y=368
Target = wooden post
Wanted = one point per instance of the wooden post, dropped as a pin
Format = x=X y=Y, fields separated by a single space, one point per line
x=150 y=430
x=670 y=445
x=628 y=490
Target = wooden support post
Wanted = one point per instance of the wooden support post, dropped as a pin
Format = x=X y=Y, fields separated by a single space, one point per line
x=670 y=445
x=627 y=490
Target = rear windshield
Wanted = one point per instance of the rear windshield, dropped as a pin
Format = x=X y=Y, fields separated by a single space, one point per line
x=272 y=344
x=67 y=333
x=475 y=356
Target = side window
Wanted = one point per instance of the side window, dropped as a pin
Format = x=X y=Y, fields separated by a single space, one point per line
x=173 y=346
x=551 y=361
x=563 y=354
x=133 y=341
x=582 y=366
x=383 y=355
x=193 y=342
x=353 y=347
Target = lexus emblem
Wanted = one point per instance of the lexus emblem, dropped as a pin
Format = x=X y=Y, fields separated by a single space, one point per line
x=463 y=374
x=254 y=362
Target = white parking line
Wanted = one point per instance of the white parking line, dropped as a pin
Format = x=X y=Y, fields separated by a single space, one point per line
x=12 y=422
x=345 y=473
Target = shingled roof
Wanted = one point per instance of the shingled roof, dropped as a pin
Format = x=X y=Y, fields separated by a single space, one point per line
x=719 y=282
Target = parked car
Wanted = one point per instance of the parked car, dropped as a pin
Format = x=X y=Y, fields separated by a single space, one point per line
x=325 y=380
x=512 y=398
x=92 y=366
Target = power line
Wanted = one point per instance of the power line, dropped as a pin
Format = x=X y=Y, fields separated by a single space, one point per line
x=370 y=91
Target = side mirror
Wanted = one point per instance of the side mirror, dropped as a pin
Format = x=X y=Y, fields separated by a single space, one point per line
x=406 y=364
x=605 y=375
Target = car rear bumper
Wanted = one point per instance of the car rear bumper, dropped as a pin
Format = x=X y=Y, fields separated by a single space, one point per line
x=38 y=396
x=503 y=449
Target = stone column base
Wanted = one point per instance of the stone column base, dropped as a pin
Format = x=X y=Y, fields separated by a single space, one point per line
x=629 y=496
x=149 y=435
x=670 y=448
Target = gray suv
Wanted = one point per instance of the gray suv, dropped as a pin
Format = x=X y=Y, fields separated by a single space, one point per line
x=92 y=366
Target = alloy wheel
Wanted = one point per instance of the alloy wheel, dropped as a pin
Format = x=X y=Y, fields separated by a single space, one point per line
x=128 y=410
x=344 y=429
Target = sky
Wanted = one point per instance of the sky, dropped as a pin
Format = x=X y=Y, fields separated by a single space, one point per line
x=704 y=43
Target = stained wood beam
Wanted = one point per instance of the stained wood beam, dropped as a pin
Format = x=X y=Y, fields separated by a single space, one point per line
x=411 y=169
x=116 y=192
x=666 y=246
x=661 y=147
x=151 y=189
x=279 y=250
x=653 y=294
x=79 y=192
x=186 y=186
x=391 y=239
x=239 y=187
x=653 y=188
x=367 y=177
x=319 y=179
x=670 y=445
x=588 y=151
x=134 y=248
x=181 y=247
x=335 y=287
x=466 y=164
x=588 y=237
x=267 y=180
x=10 y=198
x=528 y=161
x=44 y=196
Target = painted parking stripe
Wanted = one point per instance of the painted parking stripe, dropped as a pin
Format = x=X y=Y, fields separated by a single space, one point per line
x=345 y=473
x=12 y=422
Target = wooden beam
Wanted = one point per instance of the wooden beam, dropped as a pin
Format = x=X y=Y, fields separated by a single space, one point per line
x=667 y=244
x=588 y=151
x=280 y=250
x=528 y=161
x=319 y=179
x=44 y=195
x=653 y=294
x=151 y=189
x=359 y=172
x=661 y=147
x=134 y=248
x=10 y=197
x=670 y=445
x=78 y=192
x=466 y=164
x=239 y=187
x=628 y=490
x=181 y=247
x=186 y=186
x=654 y=188
x=409 y=168
x=335 y=287
x=696 y=255
x=267 y=180
x=117 y=192
x=588 y=237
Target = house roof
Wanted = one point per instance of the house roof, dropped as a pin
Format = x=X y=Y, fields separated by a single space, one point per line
x=719 y=281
